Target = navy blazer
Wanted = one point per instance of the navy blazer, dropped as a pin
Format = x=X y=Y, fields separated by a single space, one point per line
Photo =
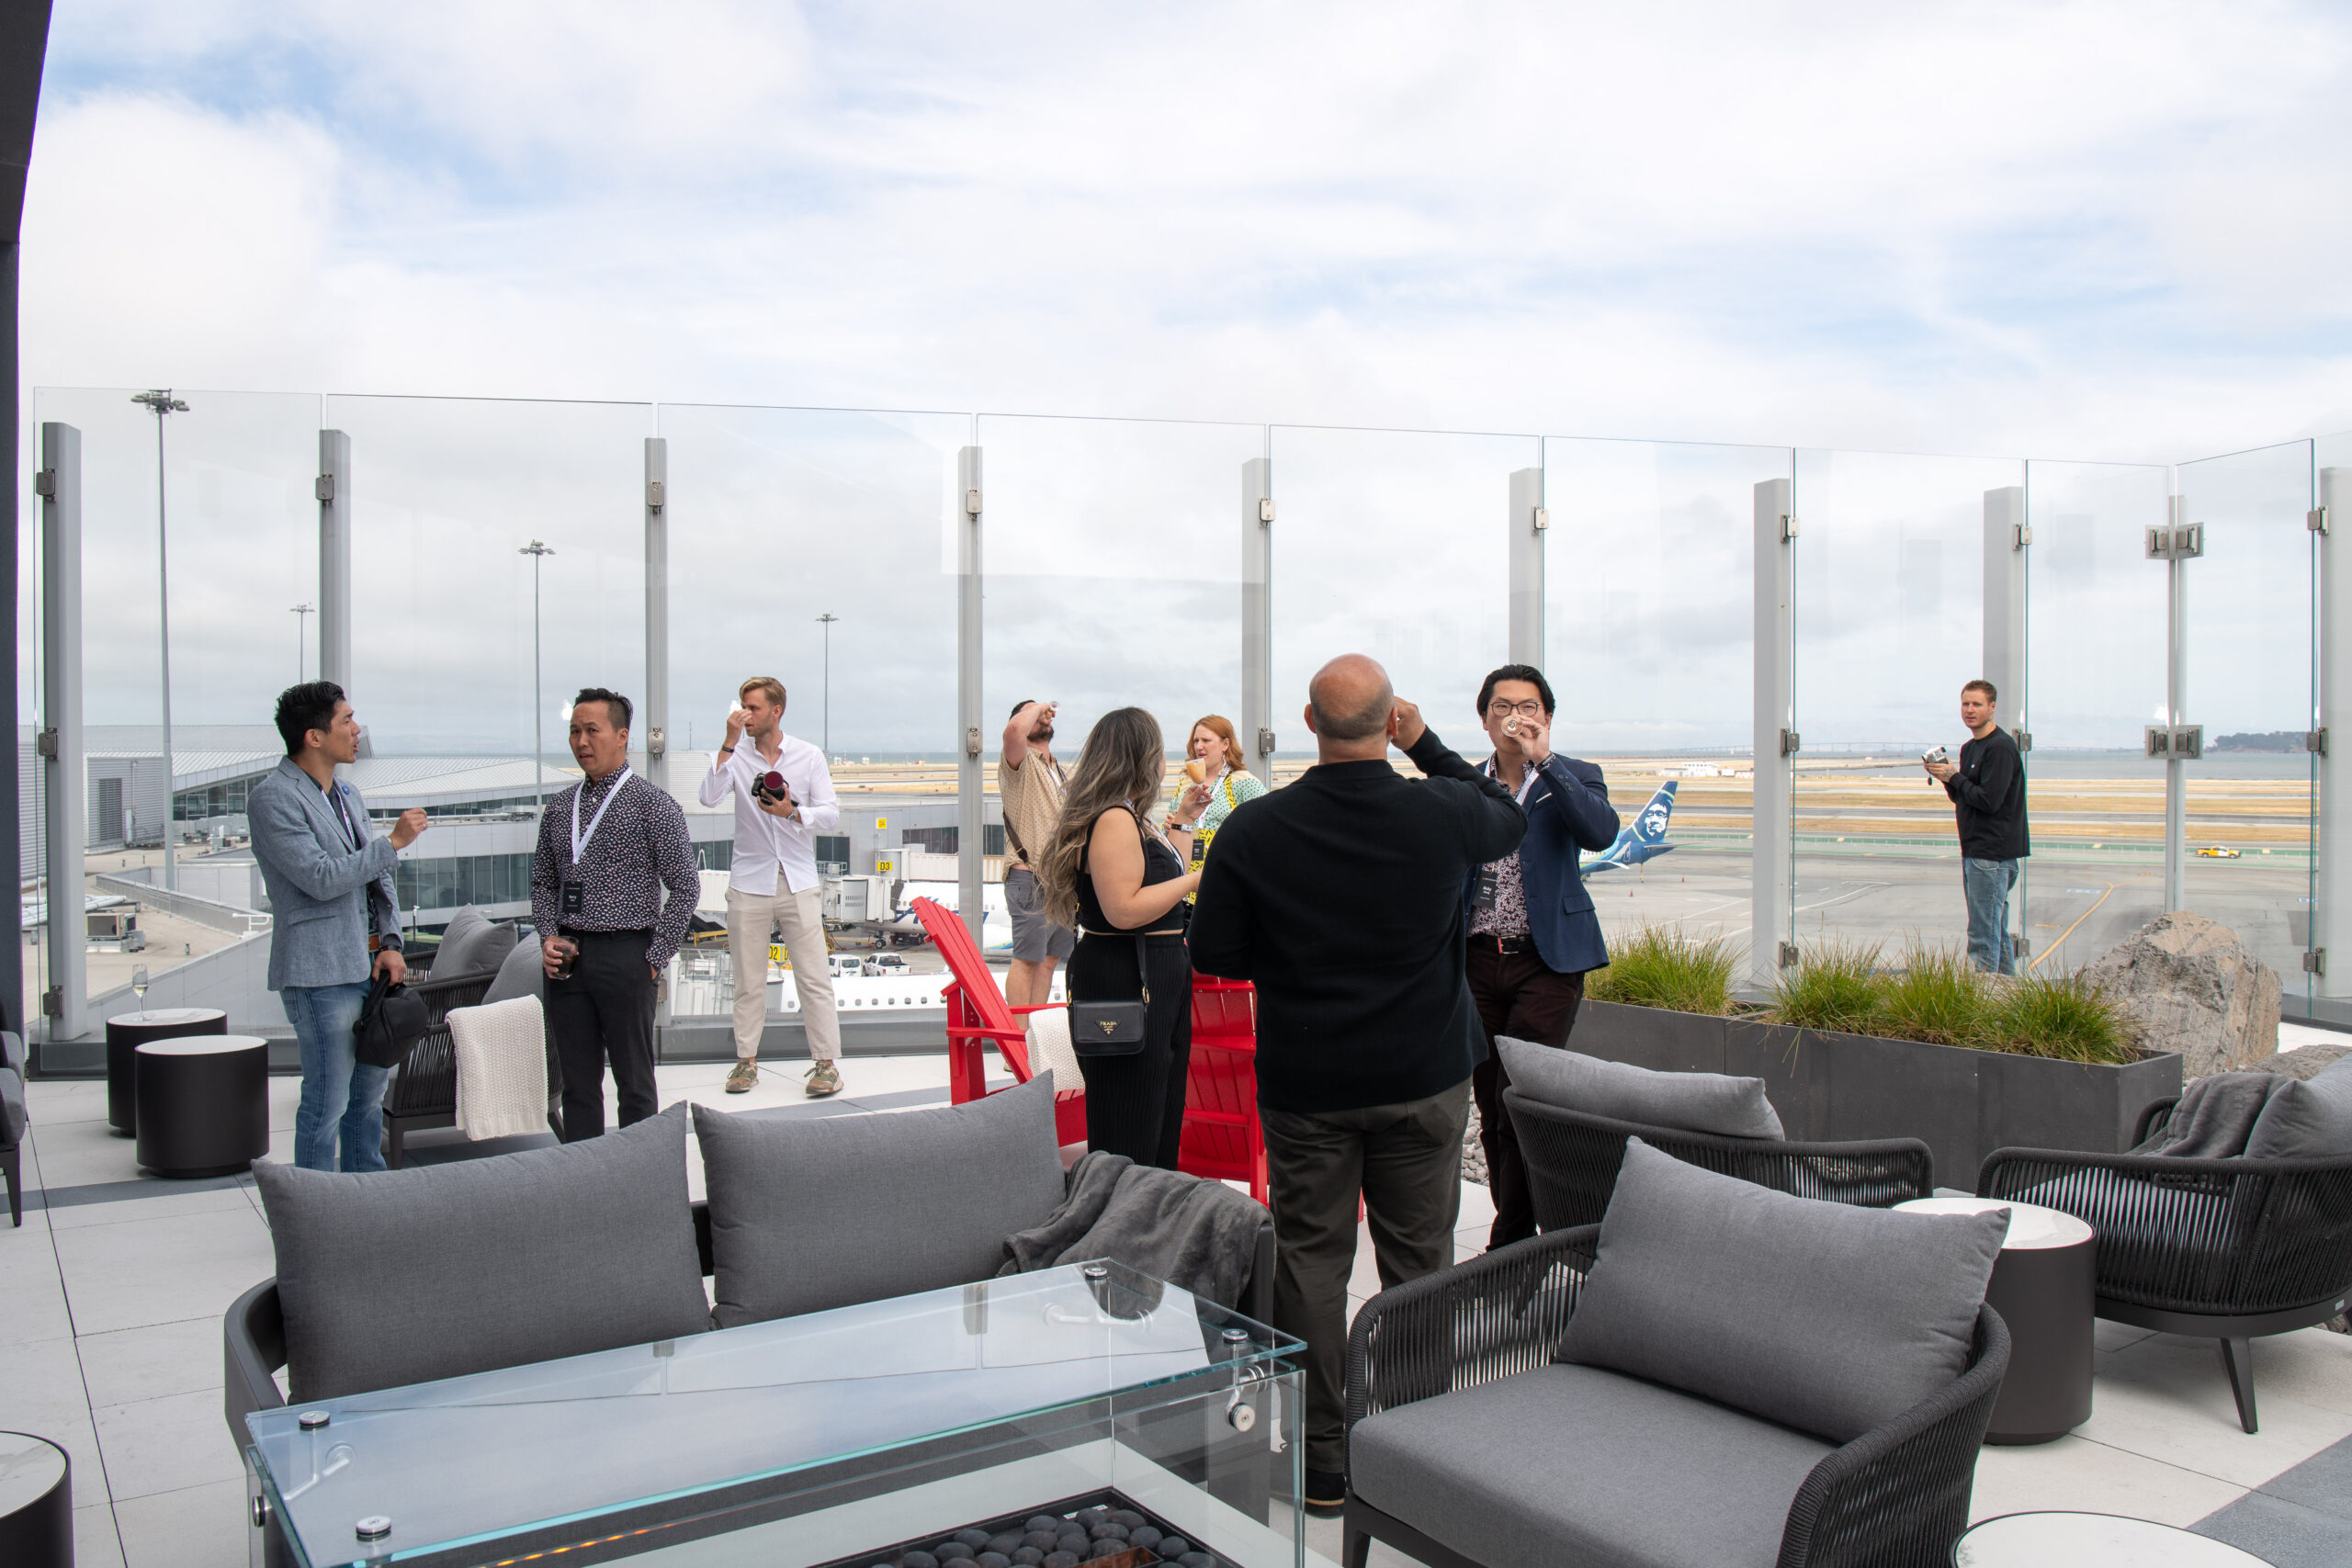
x=1568 y=811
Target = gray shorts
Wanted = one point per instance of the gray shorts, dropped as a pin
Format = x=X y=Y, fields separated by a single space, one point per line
x=1034 y=938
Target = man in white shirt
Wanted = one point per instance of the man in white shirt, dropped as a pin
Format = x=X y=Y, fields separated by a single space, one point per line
x=783 y=799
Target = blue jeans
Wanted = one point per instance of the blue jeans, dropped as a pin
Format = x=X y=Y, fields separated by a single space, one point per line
x=340 y=1095
x=1987 y=883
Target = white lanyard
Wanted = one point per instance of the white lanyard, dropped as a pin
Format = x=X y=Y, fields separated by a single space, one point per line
x=579 y=839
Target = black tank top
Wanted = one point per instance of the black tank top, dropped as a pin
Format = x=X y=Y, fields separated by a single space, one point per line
x=1160 y=865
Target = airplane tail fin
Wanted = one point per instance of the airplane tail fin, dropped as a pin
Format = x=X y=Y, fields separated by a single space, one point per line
x=1649 y=827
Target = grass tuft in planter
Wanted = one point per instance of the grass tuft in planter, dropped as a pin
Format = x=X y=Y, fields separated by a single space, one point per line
x=1835 y=988
x=1938 y=996
x=1660 y=967
x=2065 y=1017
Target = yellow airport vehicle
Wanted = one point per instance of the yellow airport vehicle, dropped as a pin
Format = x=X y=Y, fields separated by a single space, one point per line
x=2219 y=852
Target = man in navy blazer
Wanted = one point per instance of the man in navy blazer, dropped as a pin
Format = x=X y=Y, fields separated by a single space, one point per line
x=320 y=864
x=1533 y=932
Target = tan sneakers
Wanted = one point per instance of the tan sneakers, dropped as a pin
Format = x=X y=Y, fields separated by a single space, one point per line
x=824 y=1078
x=746 y=1074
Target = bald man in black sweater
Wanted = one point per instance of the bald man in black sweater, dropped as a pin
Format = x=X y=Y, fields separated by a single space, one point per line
x=1340 y=899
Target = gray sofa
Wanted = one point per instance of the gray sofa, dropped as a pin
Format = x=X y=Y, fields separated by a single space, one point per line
x=1716 y=1376
x=409 y=1276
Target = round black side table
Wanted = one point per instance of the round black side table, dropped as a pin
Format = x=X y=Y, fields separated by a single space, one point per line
x=203 y=1104
x=35 y=1503
x=128 y=1031
x=2045 y=1286
x=2092 y=1540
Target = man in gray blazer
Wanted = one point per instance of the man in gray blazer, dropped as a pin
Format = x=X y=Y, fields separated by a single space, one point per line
x=335 y=919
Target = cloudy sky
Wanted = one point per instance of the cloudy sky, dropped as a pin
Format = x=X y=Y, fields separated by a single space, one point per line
x=2095 y=230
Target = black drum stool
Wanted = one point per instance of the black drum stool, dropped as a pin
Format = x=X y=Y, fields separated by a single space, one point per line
x=35 y=1503
x=129 y=1032
x=203 y=1104
x=2044 y=1285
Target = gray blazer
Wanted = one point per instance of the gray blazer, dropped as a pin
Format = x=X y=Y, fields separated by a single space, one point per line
x=317 y=882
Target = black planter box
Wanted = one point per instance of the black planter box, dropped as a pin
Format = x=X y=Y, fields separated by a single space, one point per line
x=1831 y=1088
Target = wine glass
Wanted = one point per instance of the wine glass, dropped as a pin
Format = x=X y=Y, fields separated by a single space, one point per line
x=138 y=984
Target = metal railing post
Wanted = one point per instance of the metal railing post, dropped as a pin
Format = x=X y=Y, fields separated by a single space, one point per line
x=2175 y=705
x=970 y=801
x=1527 y=525
x=657 y=611
x=1771 y=945
x=1257 y=617
x=62 y=785
x=2007 y=535
x=2332 y=825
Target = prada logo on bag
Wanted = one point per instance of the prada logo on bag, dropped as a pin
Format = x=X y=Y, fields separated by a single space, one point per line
x=1109 y=1027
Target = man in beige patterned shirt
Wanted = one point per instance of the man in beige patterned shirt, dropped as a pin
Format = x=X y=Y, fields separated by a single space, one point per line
x=1029 y=783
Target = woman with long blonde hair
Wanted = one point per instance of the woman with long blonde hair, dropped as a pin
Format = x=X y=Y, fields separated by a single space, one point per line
x=1110 y=875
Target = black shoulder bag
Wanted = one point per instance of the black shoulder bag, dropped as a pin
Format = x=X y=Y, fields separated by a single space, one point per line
x=1114 y=1029
x=391 y=1021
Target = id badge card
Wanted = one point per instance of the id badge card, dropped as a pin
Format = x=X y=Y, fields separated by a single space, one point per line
x=574 y=898
x=1490 y=888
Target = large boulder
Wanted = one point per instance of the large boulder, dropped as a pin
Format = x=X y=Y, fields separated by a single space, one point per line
x=2187 y=984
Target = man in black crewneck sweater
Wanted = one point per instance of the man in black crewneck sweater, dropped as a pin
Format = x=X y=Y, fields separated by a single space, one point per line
x=1340 y=898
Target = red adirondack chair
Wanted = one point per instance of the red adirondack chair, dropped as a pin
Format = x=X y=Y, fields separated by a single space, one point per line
x=1221 y=1137
x=979 y=1017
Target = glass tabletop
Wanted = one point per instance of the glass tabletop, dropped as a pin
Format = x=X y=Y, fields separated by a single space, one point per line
x=750 y=1412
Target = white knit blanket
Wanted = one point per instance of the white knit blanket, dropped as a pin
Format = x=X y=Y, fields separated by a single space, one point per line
x=1049 y=1048
x=502 y=1068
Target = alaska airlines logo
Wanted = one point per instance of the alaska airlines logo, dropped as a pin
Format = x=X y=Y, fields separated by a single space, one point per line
x=1654 y=821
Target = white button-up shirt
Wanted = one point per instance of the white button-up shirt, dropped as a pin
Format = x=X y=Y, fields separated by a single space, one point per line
x=764 y=844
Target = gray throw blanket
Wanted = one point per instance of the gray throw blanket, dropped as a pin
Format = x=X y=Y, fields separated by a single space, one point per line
x=2214 y=1117
x=1198 y=1234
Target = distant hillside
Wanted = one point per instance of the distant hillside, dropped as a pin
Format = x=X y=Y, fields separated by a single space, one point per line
x=2265 y=741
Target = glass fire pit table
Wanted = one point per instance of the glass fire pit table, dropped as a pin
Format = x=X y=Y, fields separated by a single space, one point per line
x=1087 y=1404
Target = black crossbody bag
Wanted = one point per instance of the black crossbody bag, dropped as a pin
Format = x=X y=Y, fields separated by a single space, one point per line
x=1114 y=1029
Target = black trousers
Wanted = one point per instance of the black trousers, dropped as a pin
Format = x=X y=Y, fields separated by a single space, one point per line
x=1406 y=1162
x=604 y=1013
x=1134 y=1104
x=1517 y=996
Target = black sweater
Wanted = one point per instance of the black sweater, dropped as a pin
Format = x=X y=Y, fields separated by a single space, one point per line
x=1989 y=790
x=1341 y=896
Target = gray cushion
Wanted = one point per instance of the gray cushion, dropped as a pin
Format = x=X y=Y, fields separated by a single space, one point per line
x=2307 y=1121
x=1574 y=1464
x=12 y=1108
x=432 y=1271
x=12 y=1050
x=519 y=975
x=1820 y=1316
x=810 y=1213
x=1692 y=1102
x=472 y=947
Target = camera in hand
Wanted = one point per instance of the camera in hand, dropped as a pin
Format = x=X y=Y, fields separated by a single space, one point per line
x=770 y=790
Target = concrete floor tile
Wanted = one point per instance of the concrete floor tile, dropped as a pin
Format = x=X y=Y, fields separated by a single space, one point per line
x=83 y=1153
x=151 y=1272
x=2282 y=1533
x=133 y=1364
x=2168 y=1399
x=33 y=1298
x=95 y=1542
x=2106 y=1336
x=74 y=1101
x=166 y=1445
x=170 y=1200
x=203 y=1527
x=42 y=1392
x=1477 y=1208
x=2075 y=1473
x=2310 y=1365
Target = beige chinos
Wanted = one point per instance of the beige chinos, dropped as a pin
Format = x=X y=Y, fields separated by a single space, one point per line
x=800 y=917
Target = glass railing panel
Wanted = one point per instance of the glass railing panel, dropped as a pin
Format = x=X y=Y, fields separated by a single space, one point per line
x=2250 y=644
x=2096 y=650
x=1889 y=627
x=447 y=649
x=1649 y=568
x=2331 y=987
x=233 y=536
x=817 y=547
x=1392 y=544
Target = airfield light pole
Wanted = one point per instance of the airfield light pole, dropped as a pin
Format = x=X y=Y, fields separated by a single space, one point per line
x=303 y=614
x=826 y=621
x=161 y=402
x=537 y=552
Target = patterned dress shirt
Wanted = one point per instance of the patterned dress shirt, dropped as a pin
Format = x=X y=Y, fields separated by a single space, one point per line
x=639 y=848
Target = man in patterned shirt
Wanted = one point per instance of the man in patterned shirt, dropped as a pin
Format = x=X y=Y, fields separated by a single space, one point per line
x=1533 y=934
x=608 y=846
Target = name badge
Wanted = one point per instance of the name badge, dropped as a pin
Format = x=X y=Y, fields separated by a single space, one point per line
x=1490 y=888
x=574 y=898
